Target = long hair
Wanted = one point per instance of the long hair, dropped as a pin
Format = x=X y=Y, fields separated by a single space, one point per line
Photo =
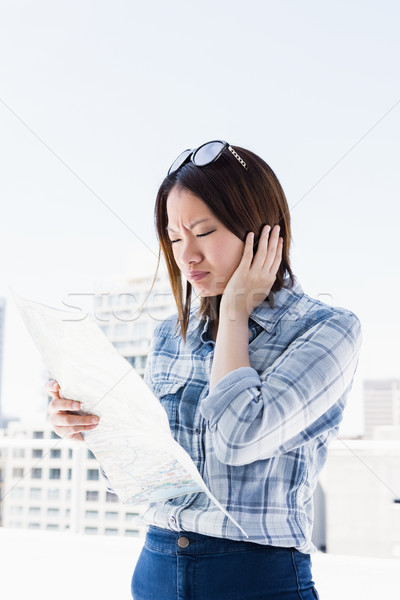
x=243 y=200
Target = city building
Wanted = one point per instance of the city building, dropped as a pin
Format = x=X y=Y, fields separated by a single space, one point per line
x=128 y=317
x=54 y=484
x=361 y=485
x=381 y=404
x=2 y=325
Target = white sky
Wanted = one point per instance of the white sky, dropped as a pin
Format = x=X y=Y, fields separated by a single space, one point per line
x=117 y=90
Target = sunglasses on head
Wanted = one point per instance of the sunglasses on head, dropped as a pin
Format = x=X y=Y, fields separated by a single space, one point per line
x=204 y=155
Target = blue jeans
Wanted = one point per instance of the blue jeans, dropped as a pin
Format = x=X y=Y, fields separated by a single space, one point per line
x=190 y=566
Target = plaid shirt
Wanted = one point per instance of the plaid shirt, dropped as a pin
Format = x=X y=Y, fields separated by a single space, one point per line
x=259 y=438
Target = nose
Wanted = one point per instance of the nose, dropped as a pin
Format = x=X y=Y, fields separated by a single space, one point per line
x=189 y=252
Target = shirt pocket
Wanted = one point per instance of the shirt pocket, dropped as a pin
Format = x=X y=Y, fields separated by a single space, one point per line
x=169 y=394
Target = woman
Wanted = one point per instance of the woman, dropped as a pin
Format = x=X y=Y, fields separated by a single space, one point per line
x=254 y=383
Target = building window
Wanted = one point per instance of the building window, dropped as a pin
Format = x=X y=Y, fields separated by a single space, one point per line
x=132 y=532
x=53 y=512
x=36 y=473
x=18 y=472
x=55 y=453
x=111 y=515
x=120 y=330
x=91 y=530
x=52 y=526
x=54 y=473
x=92 y=475
x=110 y=497
x=38 y=435
x=69 y=452
x=130 y=515
x=91 y=514
x=33 y=525
x=54 y=436
x=67 y=512
x=131 y=360
x=92 y=496
x=16 y=510
x=34 y=510
x=109 y=531
x=68 y=494
x=17 y=493
x=18 y=452
x=37 y=453
x=16 y=524
x=90 y=454
x=140 y=362
x=53 y=494
x=69 y=474
x=140 y=330
x=35 y=494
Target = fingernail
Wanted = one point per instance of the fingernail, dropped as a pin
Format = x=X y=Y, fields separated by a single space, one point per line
x=77 y=405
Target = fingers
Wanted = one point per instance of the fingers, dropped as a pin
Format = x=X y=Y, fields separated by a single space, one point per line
x=61 y=404
x=269 y=248
x=75 y=422
x=248 y=247
x=64 y=415
x=278 y=257
x=52 y=387
x=67 y=425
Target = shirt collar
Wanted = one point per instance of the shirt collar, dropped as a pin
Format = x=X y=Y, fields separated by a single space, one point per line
x=268 y=316
x=264 y=314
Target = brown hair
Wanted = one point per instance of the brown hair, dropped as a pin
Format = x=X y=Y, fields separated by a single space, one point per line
x=243 y=200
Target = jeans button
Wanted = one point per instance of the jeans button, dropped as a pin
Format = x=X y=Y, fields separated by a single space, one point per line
x=172 y=520
x=183 y=542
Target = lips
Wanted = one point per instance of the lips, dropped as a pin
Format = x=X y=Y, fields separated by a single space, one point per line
x=197 y=275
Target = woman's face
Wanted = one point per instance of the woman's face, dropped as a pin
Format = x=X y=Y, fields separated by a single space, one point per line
x=206 y=252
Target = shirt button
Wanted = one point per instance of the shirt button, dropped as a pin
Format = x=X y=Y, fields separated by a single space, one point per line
x=183 y=542
x=172 y=519
x=197 y=430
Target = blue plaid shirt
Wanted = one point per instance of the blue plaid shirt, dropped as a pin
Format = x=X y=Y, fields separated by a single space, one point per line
x=259 y=438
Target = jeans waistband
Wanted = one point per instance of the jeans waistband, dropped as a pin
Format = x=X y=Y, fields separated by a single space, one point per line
x=188 y=542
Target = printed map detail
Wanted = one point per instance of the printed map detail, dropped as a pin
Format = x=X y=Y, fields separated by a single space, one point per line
x=132 y=442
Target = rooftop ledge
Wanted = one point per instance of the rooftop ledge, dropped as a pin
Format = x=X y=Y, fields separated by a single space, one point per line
x=82 y=566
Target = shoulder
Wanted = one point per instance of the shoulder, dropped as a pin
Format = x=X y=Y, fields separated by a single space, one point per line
x=334 y=322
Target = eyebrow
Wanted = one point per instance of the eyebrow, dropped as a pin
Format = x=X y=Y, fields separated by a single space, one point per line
x=191 y=224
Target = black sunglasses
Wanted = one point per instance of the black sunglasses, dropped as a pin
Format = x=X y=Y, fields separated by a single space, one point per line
x=204 y=155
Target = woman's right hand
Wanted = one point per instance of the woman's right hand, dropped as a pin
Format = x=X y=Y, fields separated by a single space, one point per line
x=66 y=424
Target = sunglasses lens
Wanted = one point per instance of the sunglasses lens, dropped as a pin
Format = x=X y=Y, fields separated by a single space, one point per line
x=179 y=161
x=207 y=153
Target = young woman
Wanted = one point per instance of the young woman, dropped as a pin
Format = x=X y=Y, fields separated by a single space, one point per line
x=254 y=383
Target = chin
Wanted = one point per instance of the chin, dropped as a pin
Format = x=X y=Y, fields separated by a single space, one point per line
x=206 y=292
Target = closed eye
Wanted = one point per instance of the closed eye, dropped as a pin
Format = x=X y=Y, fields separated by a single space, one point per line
x=200 y=235
x=204 y=234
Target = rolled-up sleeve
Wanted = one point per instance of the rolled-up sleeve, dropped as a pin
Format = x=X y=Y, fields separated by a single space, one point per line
x=256 y=415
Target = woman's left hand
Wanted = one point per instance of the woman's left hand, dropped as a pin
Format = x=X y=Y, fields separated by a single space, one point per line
x=254 y=277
